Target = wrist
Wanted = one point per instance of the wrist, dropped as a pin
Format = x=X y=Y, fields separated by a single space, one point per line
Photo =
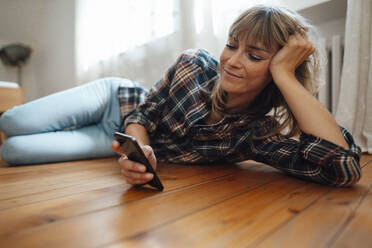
x=139 y=132
x=282 y=76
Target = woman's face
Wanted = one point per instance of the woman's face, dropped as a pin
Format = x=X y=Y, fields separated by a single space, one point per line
x=244 y=70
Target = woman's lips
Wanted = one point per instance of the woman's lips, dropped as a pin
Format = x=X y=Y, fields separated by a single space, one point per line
x=231 y=74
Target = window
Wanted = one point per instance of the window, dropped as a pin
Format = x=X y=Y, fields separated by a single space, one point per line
x=106 y=28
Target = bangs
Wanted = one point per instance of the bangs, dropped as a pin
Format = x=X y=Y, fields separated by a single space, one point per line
x=259 y=27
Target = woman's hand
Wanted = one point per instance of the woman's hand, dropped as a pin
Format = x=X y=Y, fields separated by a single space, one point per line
x=293 y=54
x=133 y=172
x=312 y=117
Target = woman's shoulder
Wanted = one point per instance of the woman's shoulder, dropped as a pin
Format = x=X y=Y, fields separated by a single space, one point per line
x=200 y=57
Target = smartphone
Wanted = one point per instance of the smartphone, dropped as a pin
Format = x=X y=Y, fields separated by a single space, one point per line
x=134 y=152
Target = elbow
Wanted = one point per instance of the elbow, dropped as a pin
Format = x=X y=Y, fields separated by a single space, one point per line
x=345 y=173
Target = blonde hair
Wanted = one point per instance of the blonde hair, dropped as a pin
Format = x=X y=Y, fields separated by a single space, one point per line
x=272 y=26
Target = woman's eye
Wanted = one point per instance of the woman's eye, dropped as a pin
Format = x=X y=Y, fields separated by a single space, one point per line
x=229 y=46
x=254 y=57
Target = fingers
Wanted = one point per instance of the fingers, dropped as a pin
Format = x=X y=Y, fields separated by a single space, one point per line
x=149 y=153
x=136 y=178
x=133 y=172
x=115 y=146
x=146 y=150
x=302 y=47
x=302 y=41
x=130 y=165
x=295 y=52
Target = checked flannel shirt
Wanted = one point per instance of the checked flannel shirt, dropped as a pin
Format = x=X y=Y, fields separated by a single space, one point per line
x=173 y=112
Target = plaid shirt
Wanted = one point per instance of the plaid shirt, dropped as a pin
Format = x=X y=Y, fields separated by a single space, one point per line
x=174 y=111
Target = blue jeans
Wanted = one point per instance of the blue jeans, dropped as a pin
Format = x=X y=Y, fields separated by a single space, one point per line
x=74 y=124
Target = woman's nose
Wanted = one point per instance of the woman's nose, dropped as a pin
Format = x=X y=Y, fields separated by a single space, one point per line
x=234 y=60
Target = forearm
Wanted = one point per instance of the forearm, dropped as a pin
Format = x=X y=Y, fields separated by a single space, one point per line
x=312 y=117
x=139 y=132
x=311 y=158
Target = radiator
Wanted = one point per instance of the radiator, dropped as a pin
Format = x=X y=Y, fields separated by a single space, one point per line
x=331 y=72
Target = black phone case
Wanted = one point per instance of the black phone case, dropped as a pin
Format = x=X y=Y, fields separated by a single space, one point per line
x=139 y=156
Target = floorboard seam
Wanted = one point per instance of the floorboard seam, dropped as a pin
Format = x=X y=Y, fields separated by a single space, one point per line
x=291 y=218
x=196 y=211
x=337 y=235
x=106 y=208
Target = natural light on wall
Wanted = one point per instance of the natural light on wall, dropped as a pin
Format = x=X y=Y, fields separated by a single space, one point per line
x=222 y=13
x=106 y=28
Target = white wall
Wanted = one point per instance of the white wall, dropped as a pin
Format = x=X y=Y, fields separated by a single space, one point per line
x=328 y=16
x=301 y=4
x=48 y=26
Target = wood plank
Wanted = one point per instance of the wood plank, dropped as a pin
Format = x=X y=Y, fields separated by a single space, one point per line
x=20 y=174
x=358 y=231
x=365 y=159
x=76 y=185
x=96 y=196
x=319 y=224
x=37 y=180
x=236 y=222
x=244 y=227
x=23 y=184
x=233 y=223
x=13 y=190
x=115 y=223
x=53 y=172
x=316 y=226
x=52 y=194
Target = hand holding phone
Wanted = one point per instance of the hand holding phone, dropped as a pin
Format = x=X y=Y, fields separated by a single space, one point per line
x=134 y=152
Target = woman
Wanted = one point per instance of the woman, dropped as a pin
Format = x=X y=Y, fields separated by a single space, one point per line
x=255 y=103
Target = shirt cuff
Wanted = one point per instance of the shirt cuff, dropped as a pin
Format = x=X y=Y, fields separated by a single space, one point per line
x=139 y=118
x=323 y=152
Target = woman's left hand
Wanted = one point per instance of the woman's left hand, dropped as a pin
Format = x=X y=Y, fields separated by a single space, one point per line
x=293 y=54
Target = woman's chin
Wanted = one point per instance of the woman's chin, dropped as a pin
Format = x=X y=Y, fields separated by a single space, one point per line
x=230 y=87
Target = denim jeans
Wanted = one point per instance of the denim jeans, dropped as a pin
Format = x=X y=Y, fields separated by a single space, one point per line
x=74 y=124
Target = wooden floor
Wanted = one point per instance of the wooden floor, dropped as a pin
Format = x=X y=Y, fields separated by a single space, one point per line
x=88 y=204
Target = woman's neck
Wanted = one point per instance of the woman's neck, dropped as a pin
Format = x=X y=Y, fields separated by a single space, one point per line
x=213 y=117
x=237 y=102
x=233 y=105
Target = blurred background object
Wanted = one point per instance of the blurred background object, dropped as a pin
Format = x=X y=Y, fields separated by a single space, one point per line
x=15 y=55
